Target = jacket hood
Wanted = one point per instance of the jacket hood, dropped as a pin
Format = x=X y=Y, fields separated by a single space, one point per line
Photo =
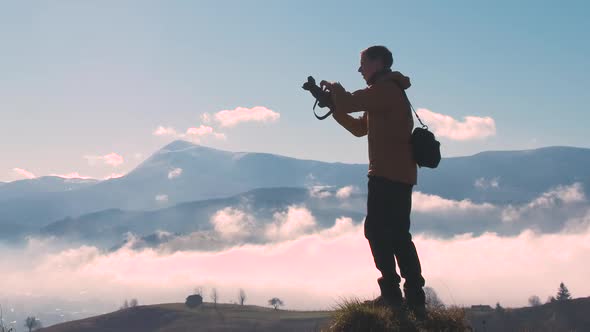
x=399 y=78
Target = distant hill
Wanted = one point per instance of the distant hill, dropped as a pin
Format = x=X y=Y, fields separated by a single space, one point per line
x=175 y=317
x=571 y=315
x=44 y=184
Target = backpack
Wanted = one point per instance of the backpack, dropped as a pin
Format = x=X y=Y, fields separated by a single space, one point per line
x=425 y=147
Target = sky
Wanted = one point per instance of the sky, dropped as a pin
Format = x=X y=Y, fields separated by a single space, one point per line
x=91 y=89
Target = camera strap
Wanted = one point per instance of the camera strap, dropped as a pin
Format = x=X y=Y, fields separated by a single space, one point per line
x=323 y=116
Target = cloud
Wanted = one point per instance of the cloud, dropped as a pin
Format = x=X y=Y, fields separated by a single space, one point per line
x=165 y=131
x=230 y=118
x=206 y=118
x=291 y=224
x=232 y=223
x=114 y=176
x=345 y=192
x=548 y=213
x=73 y=175
x=199 y=131
x=220 y=136
x=561 y=195
x=111 y=159
x=319 y=191
x=174 y=173
x=342 y=226
x=161 y=198
x=472 y=127
x=577 y=224
x=427 y=203
x=24 y=172
x=482 y=183
x=193 y=134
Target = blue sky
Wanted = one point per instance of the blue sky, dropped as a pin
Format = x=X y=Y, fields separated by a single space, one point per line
x=83 y=80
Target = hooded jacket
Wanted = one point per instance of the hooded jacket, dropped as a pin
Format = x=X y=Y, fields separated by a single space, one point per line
x=387 y=121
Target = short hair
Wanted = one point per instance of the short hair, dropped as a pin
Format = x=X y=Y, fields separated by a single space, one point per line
x=379 y=52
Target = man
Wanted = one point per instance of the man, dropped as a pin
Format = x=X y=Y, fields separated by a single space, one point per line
x=388 y=123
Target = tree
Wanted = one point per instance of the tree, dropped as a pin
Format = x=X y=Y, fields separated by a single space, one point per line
x=534 y=301
x=242 y=296
x=432 y=299
x=199 y=291
x=125 y=305
x=129 y=304
x=32 y=323
x=563 y=293
x=2 y=327
x=214 y=296
x=499 y=308
x=551 y=299
x=275 y=302
x=193 y=301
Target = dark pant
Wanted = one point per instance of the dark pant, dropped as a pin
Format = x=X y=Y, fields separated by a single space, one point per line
x=387 y=227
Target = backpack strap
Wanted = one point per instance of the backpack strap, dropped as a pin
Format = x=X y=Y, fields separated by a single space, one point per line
x=410 y=104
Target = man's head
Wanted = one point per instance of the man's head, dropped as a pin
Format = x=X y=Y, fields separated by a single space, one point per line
x=374 y=59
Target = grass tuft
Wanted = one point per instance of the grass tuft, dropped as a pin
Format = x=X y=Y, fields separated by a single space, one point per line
x=352 y=315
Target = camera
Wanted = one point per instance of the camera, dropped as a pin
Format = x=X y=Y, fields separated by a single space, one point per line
x=322 y=96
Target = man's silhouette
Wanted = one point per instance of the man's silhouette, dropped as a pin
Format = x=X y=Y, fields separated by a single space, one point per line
x=388 y=123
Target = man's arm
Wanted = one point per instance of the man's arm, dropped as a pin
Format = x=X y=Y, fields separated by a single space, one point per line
x=369 y=99
x=357 y=126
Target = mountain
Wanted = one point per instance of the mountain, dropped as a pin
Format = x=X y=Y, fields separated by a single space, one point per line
x=208 y=173
x=179 y=172
x=507 y=176
x=45 y=184
x=183 y=172
x=108 y=228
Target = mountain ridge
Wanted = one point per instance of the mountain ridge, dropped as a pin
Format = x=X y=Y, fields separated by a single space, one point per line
x=182 y=171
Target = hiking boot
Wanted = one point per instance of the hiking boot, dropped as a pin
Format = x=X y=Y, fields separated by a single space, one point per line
x=416 y=301
x=419 y=312
x=391 y=295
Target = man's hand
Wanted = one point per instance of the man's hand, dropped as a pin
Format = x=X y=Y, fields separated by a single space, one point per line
x=326 y=85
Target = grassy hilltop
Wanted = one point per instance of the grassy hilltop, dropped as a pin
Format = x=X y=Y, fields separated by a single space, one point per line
x=350 y=315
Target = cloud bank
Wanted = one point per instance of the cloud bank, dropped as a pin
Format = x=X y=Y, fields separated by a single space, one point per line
x=309 y=272
x=310 y=267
